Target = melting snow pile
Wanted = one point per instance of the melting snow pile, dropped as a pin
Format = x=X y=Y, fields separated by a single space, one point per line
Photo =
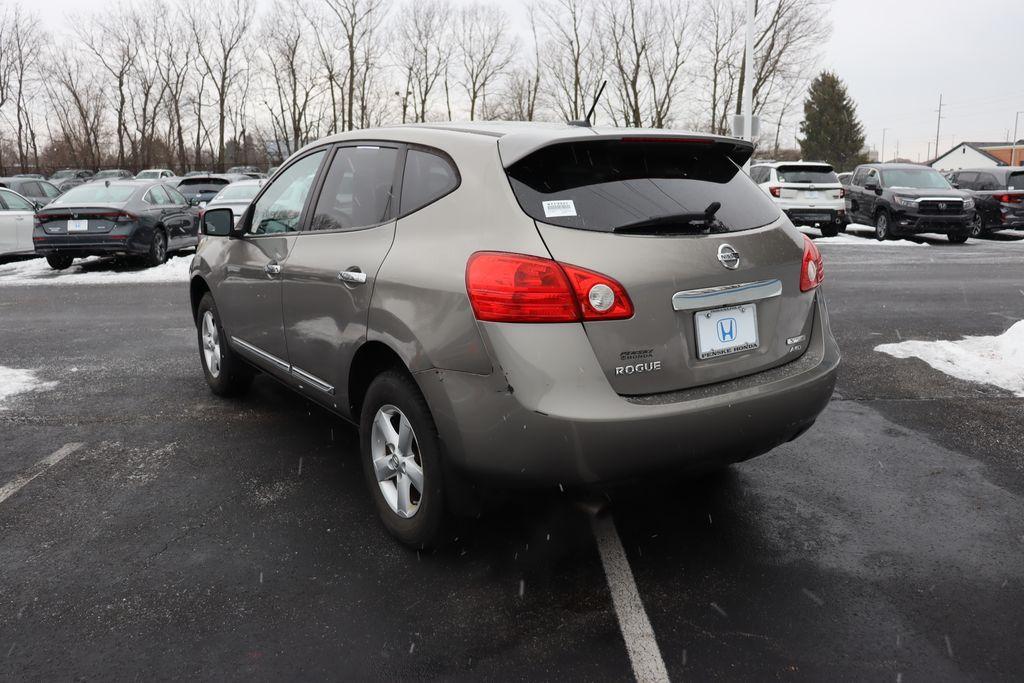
x=94 y=271
x=14 y=381
x=998 y=360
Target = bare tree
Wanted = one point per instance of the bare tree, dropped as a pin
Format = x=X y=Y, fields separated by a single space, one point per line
x=424 y=50
x=358 y=22
x=574 y=55
x=484 y=49
x=220 y=31
x=290 y=63
x=176 y=63
x=648 y=42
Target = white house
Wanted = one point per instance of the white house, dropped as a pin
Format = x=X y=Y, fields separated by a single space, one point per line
x=977 y=155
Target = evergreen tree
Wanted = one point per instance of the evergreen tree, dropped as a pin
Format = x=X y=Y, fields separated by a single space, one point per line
x=831 y=131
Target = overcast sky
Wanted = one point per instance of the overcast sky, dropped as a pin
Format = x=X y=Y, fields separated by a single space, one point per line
x=896 y=57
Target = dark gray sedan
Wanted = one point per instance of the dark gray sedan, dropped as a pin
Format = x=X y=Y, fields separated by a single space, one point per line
x=39 y=192
x=127 y=217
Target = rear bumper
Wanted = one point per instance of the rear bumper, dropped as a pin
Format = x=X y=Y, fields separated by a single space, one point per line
x=816 y=216
x=549 y=416
x=115 y=242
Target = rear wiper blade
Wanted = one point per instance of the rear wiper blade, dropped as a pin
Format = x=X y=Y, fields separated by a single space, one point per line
x=705 y=220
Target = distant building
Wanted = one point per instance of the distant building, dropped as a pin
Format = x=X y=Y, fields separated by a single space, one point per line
x=979 y=155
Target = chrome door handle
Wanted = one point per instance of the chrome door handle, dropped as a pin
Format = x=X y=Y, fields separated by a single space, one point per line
x=356 y=276
x=272 y=268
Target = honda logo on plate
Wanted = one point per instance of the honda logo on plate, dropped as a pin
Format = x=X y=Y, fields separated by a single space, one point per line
x=727 y=330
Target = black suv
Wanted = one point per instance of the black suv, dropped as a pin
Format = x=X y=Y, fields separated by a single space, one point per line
x=998 y=195
x=901 y=199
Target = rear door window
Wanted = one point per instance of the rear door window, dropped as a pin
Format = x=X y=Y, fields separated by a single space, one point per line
x=607 y=185
x=1015 y=182
x=358 y=191
x=428 y=177
x=16 y=203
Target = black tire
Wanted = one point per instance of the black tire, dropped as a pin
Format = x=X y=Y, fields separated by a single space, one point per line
x=958 y=237
x=425 y=526
x=978 y=225
x=830 y=230
x=59 y=261
x=883 y=228
x=843 y=227
x=157 y=249
x=233 y=376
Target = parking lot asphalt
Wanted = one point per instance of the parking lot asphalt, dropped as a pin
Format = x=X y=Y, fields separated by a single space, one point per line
x=157 y=531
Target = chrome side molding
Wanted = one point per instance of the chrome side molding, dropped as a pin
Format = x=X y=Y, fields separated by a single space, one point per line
x=726 y=295
x=298 y=373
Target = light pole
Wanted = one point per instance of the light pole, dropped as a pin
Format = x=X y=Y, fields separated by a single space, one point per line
x=748 y=77
x=1013 y=153
x=881 y=155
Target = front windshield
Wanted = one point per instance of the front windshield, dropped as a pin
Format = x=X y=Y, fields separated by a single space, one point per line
x=107 y=174
x=235 y=192
x=921 y=178
x=93 y=193
x=63 y=174
x=148 y=175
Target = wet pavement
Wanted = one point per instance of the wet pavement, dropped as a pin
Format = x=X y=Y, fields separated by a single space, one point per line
x=189 y=536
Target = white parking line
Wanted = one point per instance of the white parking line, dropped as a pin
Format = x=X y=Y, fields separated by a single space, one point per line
x=9 y=489
x=636 y=629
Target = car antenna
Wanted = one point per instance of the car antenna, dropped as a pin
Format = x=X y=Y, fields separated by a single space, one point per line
x=587 y=122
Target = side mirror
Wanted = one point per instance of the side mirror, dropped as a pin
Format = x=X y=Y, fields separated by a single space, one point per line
x=872 y=186
x=218 y=222
x=956 y=186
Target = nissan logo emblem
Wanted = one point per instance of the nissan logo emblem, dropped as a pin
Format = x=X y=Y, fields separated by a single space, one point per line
x=729 y=257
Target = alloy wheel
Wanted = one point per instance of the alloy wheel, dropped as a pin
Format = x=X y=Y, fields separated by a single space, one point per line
x=397 y=464
x=882 y=227
x=211 y=344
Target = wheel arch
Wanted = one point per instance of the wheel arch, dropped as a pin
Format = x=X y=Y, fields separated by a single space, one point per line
x=370 y=359
x=196 y=290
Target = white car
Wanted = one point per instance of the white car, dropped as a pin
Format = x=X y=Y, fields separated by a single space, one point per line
x=154 y=174
x=17 y=215
x=236 y=196
x=808 y=192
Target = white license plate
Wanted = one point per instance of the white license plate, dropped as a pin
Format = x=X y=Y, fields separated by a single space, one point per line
x=78 y=226
x=811 y=194
x=726 y=330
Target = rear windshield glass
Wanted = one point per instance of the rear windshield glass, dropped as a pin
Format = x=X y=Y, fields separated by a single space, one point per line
x=926 y=179
x=806 y=174
x=1015 y=181
x=238 y=192
x=99 y=192
x=193 y=186
x=608 y=184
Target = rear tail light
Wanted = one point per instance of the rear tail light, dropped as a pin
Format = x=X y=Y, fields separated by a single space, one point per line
x=812 y=270
x=775 y=191
x=506 y=287
x=1009 y=198
x=842 y=192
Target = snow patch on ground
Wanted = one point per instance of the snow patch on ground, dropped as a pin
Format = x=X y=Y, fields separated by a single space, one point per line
x=865 y=239
x=997 y=360
x=14 y=381
x=94 y=271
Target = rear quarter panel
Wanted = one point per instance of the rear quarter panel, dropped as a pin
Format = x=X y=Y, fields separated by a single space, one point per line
x=420 y=307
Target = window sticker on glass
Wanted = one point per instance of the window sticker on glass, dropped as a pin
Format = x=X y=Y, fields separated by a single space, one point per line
x=560 y=207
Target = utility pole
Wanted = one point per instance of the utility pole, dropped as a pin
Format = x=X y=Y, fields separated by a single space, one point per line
x=897 y=149
x=929 y=150
x=1013 y=153
x=881 y=155
x=748 y=77
x=938 y=124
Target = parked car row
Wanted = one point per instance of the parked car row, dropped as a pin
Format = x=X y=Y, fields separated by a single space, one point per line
x=902 y=199
x=148 y=219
